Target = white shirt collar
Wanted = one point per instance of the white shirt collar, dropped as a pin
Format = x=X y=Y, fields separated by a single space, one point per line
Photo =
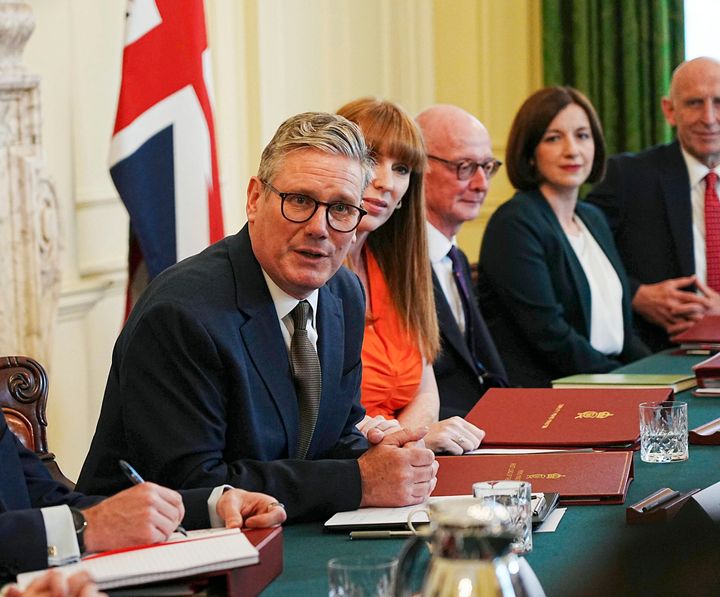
x=438 y=243
x=284 y=303
x=697 y=171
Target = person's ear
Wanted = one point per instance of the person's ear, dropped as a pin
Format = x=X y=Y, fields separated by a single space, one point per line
x=668 y=110
x=254 y=194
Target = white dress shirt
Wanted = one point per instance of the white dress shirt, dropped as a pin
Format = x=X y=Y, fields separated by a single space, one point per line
x=438 y=247
x=697 y=173
x=284 y=304
x=60 y=533
x=607 y=333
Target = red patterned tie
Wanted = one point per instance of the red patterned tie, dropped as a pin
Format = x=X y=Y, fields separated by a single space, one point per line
x=712 y=231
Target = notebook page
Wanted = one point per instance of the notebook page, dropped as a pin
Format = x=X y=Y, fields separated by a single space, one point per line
x=164 y=561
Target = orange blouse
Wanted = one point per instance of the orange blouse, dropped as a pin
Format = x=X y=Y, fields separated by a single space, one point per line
x=392 y=363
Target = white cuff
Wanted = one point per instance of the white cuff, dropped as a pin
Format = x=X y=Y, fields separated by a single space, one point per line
x=62 y=545
x=215 y=520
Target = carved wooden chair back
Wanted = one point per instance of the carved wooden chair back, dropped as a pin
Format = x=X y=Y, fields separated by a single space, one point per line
x=23 y=399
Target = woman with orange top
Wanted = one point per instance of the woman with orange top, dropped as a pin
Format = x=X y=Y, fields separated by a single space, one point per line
x=390 y=257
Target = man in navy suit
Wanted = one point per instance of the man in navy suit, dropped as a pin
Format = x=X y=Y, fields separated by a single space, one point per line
x=202 y=391
x=654 y=201
x=456 y=183
x=43 y=523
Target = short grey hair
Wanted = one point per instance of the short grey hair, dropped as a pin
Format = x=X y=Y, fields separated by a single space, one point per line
x=321 y=131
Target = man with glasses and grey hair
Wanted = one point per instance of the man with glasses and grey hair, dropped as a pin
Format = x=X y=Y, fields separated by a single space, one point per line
x=241 y=365
x=460 y=165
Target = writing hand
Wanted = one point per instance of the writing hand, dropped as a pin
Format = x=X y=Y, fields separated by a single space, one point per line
x=143 y=514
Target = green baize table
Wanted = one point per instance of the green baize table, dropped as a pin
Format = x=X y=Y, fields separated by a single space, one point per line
x=583 y=529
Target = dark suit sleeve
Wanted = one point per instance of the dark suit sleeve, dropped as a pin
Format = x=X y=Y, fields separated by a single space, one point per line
x=196 y=508
x=43 y=490
x=609 y=195
x=25 y=487
x=516 y=263
x=23 y=544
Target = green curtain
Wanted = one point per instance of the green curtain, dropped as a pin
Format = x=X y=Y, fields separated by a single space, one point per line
x=621 y=54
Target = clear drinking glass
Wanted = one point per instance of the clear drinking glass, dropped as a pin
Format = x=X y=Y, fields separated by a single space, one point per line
x=516 y=496
x=364 y=576
x=663 y=431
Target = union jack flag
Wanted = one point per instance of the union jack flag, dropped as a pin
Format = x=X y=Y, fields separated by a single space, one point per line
x=162 y=155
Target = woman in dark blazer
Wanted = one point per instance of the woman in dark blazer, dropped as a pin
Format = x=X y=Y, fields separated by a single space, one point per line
x=551 y=284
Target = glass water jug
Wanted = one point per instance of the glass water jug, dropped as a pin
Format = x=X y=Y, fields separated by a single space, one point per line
x=469 y=554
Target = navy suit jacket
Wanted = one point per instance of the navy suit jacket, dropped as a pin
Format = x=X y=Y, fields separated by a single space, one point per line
x=200 y=390
x=646 y=198
x=26 y=486
x=536 y=298
x=459 y=384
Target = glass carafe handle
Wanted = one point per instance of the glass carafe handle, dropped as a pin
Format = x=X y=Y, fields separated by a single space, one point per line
x=413 y=563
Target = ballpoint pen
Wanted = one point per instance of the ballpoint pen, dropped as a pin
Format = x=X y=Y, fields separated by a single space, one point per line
x=380 y=534
x=663 y=499
x=136 y=479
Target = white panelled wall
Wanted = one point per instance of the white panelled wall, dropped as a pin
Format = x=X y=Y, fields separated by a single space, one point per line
x=271 y=59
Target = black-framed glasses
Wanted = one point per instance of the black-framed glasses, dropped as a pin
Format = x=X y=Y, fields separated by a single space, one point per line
x=466 y=169
x=299 y=208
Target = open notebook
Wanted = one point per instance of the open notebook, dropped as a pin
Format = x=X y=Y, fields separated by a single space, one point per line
x=180 y=556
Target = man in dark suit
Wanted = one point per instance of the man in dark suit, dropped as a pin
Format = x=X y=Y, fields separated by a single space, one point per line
x=207 y=385
x=456 y=183
x=43 y=523
x=655 y=202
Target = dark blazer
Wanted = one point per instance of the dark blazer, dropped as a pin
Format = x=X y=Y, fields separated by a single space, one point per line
x=459 y=382
x=26 y=486
x=646 y=199
x=200 y=390
x=535 y=296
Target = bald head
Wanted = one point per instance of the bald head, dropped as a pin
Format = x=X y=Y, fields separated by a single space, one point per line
x=688 y=73
x=445 y=126
x=693 y=107
x=451 y=135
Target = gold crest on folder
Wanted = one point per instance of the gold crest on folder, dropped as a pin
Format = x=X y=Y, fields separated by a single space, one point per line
x=594 y=414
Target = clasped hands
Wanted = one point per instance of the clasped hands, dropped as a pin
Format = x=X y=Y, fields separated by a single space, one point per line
x=399 y=468
x=669 y=305
x=450 y=436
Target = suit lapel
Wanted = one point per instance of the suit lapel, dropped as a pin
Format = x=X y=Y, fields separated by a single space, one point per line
x=576 y=271
x=261 y=334
x=675 y=186
x=448 y=326
x=331 y=342
x=606 y=244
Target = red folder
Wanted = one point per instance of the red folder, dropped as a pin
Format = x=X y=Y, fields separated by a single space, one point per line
x=579 y=477
x=705 y=330
x=252 y=580
x=245 y=581
x=708 y=373
x=566 y=418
